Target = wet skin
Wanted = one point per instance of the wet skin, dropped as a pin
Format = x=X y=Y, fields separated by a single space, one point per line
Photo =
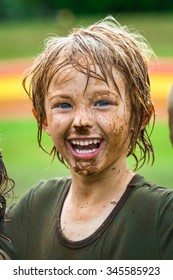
x=89 y=127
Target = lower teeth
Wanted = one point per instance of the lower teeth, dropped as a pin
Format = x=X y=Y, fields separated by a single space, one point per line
x=85 y=151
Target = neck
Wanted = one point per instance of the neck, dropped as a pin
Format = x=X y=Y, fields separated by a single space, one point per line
x=110 y=183
x=91 y=199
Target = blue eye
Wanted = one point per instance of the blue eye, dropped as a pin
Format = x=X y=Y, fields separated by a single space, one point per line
x=102 y=103
x=65 y=106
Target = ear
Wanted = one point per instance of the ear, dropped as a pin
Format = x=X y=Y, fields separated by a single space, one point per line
x=147 y=116
x=45 y=126
x=34 y=113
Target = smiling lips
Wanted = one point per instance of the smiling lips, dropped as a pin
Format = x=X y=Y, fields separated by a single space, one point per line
x=85 y=147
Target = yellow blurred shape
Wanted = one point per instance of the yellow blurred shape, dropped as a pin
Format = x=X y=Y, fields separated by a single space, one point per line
x=160 y=85
x=11 y=88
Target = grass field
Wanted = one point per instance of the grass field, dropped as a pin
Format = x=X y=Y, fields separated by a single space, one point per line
x=25 y=39
x=27 y=163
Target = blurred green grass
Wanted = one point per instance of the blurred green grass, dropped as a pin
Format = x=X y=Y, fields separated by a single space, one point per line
x=27 y=163
x=25 y=38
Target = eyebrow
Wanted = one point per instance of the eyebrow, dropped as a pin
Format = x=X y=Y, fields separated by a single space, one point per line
x=67 y=95
x=102 y=92
x=63 y=96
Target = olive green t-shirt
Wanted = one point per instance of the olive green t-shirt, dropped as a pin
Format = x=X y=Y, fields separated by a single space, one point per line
x=140 y=227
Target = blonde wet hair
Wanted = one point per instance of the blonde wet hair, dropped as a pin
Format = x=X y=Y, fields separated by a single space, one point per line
x=110 y=46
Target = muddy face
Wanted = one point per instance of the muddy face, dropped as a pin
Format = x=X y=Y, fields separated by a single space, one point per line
x=89 y=126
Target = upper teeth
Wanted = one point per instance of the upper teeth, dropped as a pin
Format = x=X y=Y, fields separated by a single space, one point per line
x=86 y=142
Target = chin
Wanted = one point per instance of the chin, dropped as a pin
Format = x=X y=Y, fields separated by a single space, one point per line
x=84 y=172
x=86 y=169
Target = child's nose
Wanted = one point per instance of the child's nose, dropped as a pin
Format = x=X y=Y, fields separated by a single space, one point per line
x=82 y=119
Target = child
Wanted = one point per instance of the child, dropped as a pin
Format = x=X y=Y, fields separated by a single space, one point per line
x=91 y=94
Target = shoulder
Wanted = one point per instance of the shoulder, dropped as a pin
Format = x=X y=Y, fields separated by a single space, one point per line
x=50 y=186
x=48 y=189
x=151 y=194
x=152 y=203
x=149 y=188
x=43 y=192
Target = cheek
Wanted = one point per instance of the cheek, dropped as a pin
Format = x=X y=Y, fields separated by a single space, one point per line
x=56 y=131
x=57 y=124
x=115 y=126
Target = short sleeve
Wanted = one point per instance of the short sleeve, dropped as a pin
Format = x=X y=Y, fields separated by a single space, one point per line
x=17 y=225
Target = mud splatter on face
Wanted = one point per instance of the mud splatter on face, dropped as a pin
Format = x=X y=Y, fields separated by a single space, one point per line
x=89 y=127
x=85 y=168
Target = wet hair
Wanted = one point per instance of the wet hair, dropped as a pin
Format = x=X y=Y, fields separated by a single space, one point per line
x=6 y=183
x=110 y=46
x=6 y=186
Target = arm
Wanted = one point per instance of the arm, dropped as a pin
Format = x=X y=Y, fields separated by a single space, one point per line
x=170 y=112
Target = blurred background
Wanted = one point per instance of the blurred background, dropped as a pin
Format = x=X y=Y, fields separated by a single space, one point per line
x=24 y=26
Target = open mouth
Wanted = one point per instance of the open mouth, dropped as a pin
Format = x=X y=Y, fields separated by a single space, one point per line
x=85 y=147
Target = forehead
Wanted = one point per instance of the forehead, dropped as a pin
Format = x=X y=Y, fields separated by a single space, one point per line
x=90 y=74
